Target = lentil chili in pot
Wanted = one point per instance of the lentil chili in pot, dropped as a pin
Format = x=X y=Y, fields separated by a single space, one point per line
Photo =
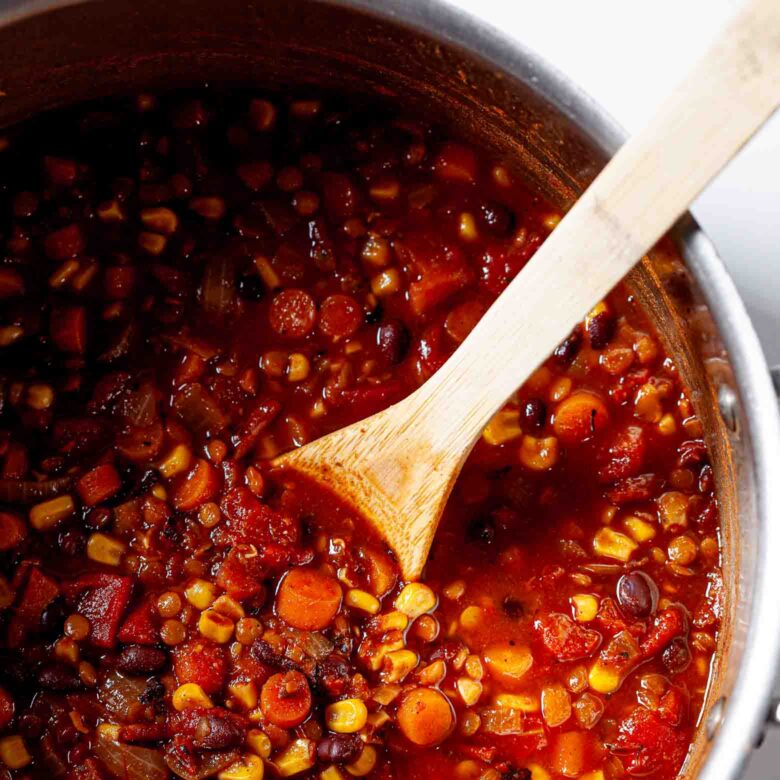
x=194 y=283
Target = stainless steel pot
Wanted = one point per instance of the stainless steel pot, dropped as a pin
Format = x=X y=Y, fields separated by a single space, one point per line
x=426 y=57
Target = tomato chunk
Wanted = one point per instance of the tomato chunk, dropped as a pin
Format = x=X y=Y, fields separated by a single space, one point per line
x=201 y=662
x=565 y=639
x=103 y=600
x=38 y=593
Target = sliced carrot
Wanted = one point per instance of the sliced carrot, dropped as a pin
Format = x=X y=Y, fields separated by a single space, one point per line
x=141 y=444
x=99 y=484
x=293 y=314
x=199 y=485
x=307 y=599
x=579 y=417
x=425 y=717
x=12 y=531
x=340 y=316
x=286 y=699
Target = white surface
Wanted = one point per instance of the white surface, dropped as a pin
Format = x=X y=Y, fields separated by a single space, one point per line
x=628 y=55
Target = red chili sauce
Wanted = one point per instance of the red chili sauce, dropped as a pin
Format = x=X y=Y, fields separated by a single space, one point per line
x=195 y=283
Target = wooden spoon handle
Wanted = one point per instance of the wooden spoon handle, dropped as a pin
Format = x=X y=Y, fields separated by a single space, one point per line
x=628 y=207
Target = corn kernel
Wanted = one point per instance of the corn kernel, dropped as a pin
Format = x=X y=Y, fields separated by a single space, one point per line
x=517 y=701
x=201 y=593
x=454 y=590
x=229 y=607
x=331 y=773
x=159 y=491
x=250 y=767
x=474 y=667
x=46 y=515
x=216 y=627
x=392 y=621
x=398 y=664
x=539 y=454
x=110 y=211
x=596 y=774
x=110 y=731
x=362 y=600
x=613 y=544
x=673 y=509
x=468 y=227
x=647 y=404
x=66 y=649
x=105 y=549
x=416 y=599
x=160 y=220
x=376 y=251
x=604 y=679
x=386 y=283
x=585 y=607
x=13 y=752
x=176 y=461
x=153 y=243
x=640 y=530
x=297 y=757
x=503 y=427
x=346 y=716
x=364 y=763
x=9 y=334
x=258 y=742
x=682 y=550
x=469 y=723
x=538 y=772
x=245 y=693
x=40 y=397
x=432 y=674
x=267 y=273
x=471 y=618
x=469 y=690
x=560 y=389
x=190 y=695
x=297 y=367
x=667 y=425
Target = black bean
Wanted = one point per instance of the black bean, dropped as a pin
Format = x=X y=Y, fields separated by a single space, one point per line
x=53 y=617
x=569 y=348
x=219 y=730
x=339 y=748
x=534 y=414
x=513 y=607
x=72 y=542
x=250 y=287
x=601 y=329
x=481 y=529
x=676 y=657
x=137 y=659
x=332 y=675
x=637 y=594
x=516 y=774
x=58 y=677
x=155 y=691
x=497 y=218
x=393 y=340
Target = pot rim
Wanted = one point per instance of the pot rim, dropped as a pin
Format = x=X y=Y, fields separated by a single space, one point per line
x=739 y=726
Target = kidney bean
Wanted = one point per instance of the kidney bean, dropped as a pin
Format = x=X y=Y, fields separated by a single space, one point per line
x=332 y=675
x=601 y=329
x=676 y=657
x=497 y=218
x=568 y=349
x=481 y=529
x=534 y=414
x=637 y=594
x=339 y=748
x=137 y=659
x=393 y=340
x=58 y=677
x=218 y=730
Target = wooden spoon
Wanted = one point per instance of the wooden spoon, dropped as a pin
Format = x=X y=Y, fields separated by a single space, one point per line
x=399 y=466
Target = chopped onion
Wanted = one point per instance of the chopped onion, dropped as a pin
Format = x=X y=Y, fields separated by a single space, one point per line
x=120 y=694
x=131 y=762
x=198 y=409
x=17 y=491
x=218 y=292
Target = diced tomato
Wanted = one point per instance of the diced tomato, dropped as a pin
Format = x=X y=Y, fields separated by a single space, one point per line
x=565 y=639
x=253 y=424
x=13 y=531
x=502 y=262
x=102 y=600
x=241 y=573
x=623 y=455
x=647 y=744
x=435 y=286
x=630 y=489
x=456 y=163
x=60 y=172
x=142 y=732
x=38 y=593
x=199 y=485
x=11 y=283
x=609 y=616
x=68 y=328
x=672 y=706
x=668 y=624
x=16 y=461
x=367 y=399
x=99 y=484
x=139 y=627
x=202 y=662
x=293 y=314
x=431 y=352
x=64 y=243
x=340 y=316
x=462 y=319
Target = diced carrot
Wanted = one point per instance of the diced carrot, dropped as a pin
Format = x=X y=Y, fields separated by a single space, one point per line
x=99 y=484
x=68 y=328
x=64 y=243
x=436 y=285
x=425 y=717
x=307 y=599
x=579 y=417
x=13 y=531
x=286 y=699
x=196 y=487
x=293 y=314
x=568 y=756
x=456 y=163
x=340 y=316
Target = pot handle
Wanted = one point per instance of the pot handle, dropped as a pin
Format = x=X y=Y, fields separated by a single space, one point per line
x=775 y=374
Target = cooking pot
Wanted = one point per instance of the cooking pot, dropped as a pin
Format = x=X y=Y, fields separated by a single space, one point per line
x=427 y=58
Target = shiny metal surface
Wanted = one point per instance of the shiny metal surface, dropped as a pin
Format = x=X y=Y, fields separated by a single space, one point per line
x=427 y=57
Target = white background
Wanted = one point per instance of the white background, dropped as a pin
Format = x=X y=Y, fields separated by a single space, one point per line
x=628 y=54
